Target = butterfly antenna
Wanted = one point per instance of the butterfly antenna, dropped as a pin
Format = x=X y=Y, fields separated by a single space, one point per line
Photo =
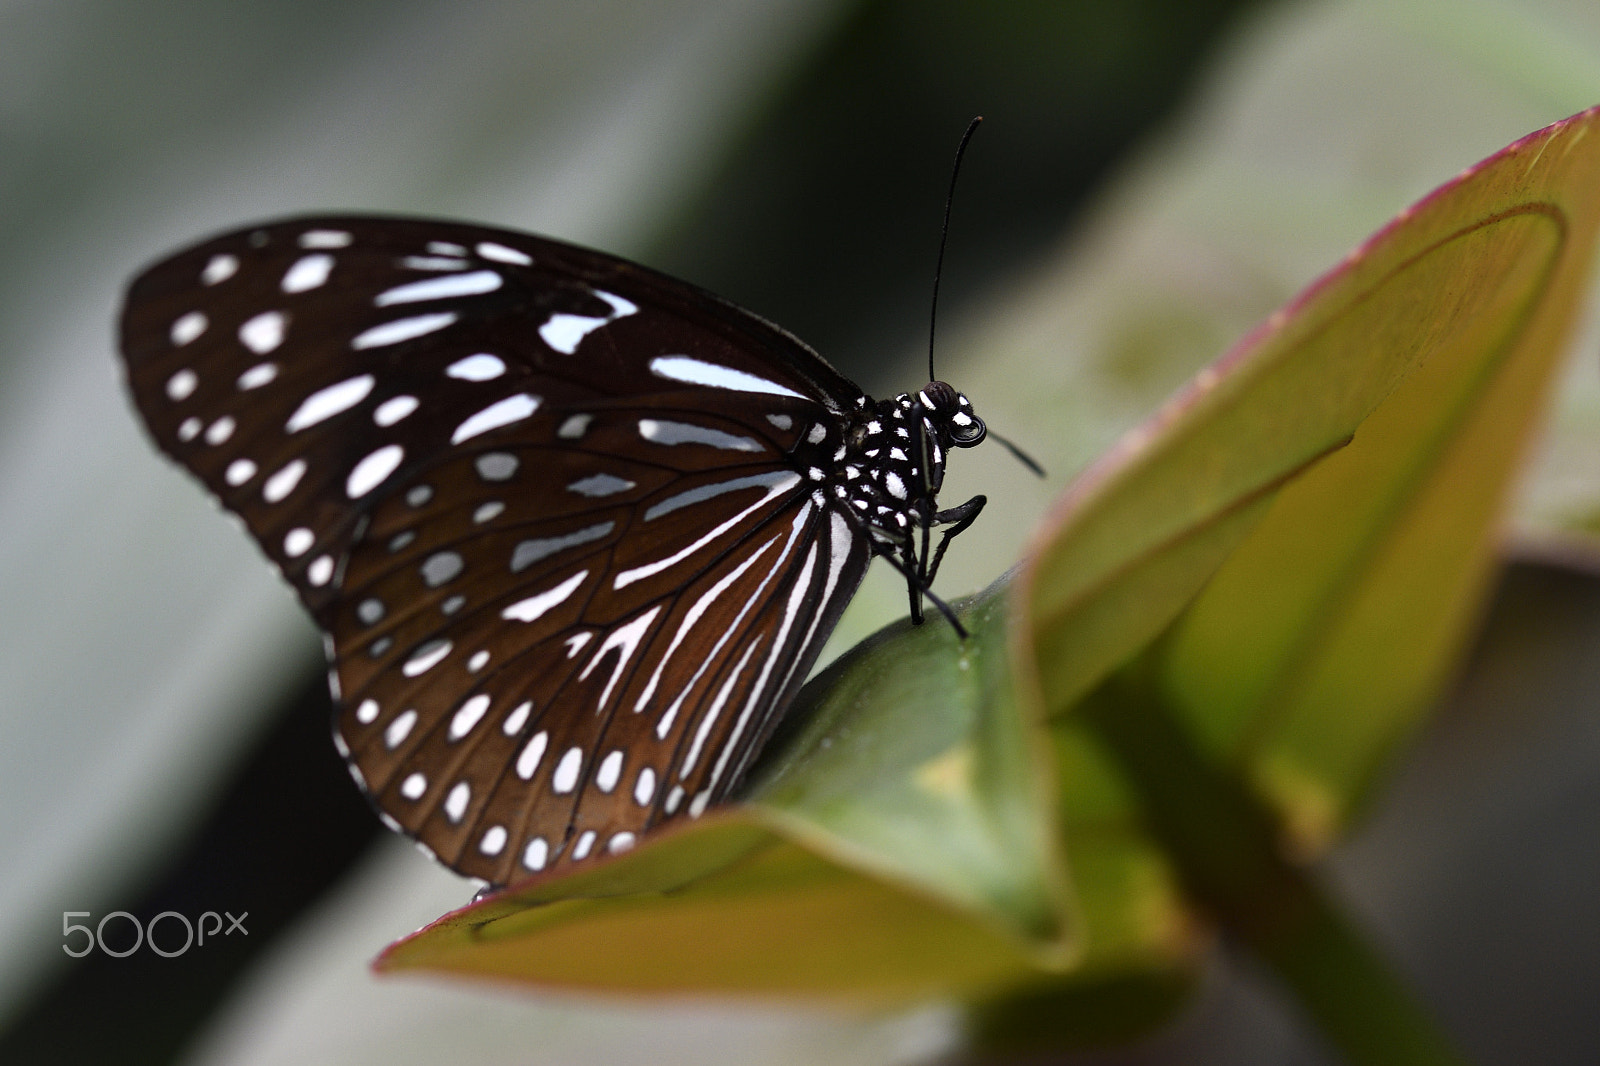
x=1023 y=457
x=944 y=236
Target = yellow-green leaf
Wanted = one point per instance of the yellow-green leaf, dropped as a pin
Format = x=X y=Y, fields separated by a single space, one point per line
x=1312 y=522
x=1328 y=633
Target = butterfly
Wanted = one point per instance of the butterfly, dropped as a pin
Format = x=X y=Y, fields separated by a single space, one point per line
x=574 y=531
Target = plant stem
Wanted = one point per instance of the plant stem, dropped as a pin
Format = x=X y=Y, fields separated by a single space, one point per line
x=1224 y=844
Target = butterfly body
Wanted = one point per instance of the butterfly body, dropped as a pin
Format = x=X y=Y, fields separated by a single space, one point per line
x=575 y=530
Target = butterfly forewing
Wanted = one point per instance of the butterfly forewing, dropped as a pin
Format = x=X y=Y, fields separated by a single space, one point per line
x=545 y=502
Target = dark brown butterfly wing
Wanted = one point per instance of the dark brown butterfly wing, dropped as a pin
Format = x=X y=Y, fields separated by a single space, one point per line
x=552 y=508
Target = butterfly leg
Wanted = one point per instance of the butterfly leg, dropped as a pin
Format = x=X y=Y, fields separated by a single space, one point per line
x=912 y=579
x=958 y=518
x=912 y=569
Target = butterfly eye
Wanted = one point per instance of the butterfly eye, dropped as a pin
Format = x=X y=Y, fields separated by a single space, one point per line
x=968 y=434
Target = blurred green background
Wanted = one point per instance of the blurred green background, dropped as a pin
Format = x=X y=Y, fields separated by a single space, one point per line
x=1152 y=179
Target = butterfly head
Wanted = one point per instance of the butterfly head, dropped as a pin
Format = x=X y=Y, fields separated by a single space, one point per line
x=951 y=413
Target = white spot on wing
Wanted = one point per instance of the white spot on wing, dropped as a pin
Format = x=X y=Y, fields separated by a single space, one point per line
x=298 y=541
x=565 y=778
x=501 y=413
x=532 y=753
x=399 y=729
x=480 y=367
x=264 y=332
x=468 y=716
x=501 y=254
x=413 y=786
x=426 y=657
x=620 y=308
x=621 y=842
x=644 y=789
x=581 y=849
x=532 y=550
x=367 y=713
x=188 y=327
x=517 y=718
x=536 y=854
x=658 y=431
x=441 y=567
x=494 y=840
x=565 y=332
x=609 y=773
x=220 y=430
x=181 y=386
x=699 y=372
x=455 y=804
x=327 y=402
x=535 y=607
x=325 y=238
x=574 y=427
x=394 y=409
x=257 y=376
x=220 y=268
x=282 y=483
x=599 y=485
x=432 y=262
x=403 y=329
x=309 y=272
x=496 y=466
x=371 y=471
x=239 y=471
x=442 y=287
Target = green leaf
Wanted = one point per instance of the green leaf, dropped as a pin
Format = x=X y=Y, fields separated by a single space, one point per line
x=916 y=761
